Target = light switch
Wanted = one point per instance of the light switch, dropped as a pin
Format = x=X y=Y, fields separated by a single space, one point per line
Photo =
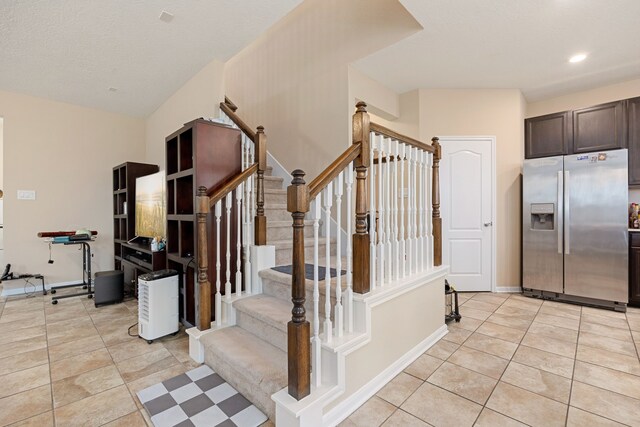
x=26 y=194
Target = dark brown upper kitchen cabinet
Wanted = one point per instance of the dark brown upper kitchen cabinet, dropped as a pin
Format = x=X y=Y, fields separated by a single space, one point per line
x=601 y=127
x=549 y=135
x=633 y=109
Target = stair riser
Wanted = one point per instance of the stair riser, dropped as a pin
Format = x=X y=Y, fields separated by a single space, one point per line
x=284 y=256
x=285 y=232
x=283 y=291
x=273 y=184
x=259 y=328
x=275 y=199
x=277 y=214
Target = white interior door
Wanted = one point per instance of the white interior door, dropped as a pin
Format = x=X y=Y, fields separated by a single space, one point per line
x=467 y=207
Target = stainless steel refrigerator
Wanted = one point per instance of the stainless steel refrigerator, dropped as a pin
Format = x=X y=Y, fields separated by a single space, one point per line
x=575 y=228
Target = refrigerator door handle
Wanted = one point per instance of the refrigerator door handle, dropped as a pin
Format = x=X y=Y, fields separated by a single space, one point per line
x=559 y=222
x=567 y=215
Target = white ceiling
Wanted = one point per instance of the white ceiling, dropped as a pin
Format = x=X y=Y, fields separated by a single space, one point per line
x=75 y=50
x=523 y=44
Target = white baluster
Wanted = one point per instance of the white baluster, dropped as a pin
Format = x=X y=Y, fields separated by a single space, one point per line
x=414 y=209
x=381 y=214
x=348 y=296
x=372 y=212
x=403 y=257
x=387 y=210
x=328 y=202
x=338 y=313
x=394 y=196
x=410 y=211
x=421 y=264
x=239 y=240
x=227 y=285
x=316 y=363
x=218 y=215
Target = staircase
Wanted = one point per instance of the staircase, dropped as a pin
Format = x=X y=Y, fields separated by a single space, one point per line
x=251 y=355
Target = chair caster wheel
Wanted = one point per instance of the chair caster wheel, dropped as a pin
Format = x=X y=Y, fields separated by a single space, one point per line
x=54 y=302
x=89 y=296
x=84 y=287
x=53 y=291
x=149 y=341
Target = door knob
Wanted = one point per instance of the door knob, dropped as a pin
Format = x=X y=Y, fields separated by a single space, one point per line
x=488 y=224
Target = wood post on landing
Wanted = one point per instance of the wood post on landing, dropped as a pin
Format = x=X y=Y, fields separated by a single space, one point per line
x=298 y=329
x=204 y=286
x=435 y=194
x=361 y=250
x=261 y=160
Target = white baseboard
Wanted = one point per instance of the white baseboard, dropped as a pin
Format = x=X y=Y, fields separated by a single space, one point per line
x=353 y=402
x=15 y=287
x=509 y=289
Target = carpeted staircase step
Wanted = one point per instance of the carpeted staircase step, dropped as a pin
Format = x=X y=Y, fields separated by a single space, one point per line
x=282 y=230
x=284 y=249
x=273 y=183
x=251 y=365
x=277 y=213
x=265 y=317
x=278 y=285
x=275 y=197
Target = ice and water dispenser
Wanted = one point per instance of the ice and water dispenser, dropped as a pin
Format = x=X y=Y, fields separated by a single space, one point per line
x=542 y=216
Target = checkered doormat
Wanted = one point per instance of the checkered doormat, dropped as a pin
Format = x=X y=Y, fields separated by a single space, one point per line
x=197 y=398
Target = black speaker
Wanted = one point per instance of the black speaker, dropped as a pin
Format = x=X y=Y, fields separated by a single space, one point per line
x=109 y=287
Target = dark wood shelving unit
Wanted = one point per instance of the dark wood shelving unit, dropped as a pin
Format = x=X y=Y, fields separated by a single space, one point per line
x=124 y=207
x=201 y=153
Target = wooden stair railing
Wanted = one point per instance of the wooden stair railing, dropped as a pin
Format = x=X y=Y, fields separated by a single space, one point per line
x=299 y=197
x=211 y=198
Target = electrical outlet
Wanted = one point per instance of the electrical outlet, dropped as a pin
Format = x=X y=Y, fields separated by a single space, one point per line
x=26 y=194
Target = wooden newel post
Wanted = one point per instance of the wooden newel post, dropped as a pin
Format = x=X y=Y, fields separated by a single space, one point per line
x=435 y=194
x=361 y=251
x=261 y=159
x=298 y=331
x=204 y=287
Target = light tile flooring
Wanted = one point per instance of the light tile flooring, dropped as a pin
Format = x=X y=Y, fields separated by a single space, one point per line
x=73 y=364
x=510 y=361
x=516 y=361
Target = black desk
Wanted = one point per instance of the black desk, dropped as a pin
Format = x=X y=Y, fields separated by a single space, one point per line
x=86 y=272
x=27 y=277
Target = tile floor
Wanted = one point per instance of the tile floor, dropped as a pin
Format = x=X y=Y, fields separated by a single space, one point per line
x=510 y=361
x=515 y=361
x=73 y=364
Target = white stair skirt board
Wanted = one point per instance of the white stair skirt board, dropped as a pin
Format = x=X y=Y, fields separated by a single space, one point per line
x=262 y=257
x=363 y=363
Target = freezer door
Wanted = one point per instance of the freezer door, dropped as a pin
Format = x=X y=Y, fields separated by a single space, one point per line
x=596 y=235
x=542 y=231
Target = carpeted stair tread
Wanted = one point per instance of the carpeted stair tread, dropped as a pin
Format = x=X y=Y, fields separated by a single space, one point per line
x=273 y=311
x=253 y=366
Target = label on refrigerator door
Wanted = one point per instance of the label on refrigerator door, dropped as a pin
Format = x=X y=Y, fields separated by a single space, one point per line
x=602 y=157
x=583 y=157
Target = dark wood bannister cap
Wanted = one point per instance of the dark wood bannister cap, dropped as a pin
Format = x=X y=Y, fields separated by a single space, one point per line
x=361 y=107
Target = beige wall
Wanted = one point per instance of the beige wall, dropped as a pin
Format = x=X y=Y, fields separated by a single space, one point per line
x=294 y=79
x=66 y=154
x=199 y=97
x=498 y=113
x=587 y=98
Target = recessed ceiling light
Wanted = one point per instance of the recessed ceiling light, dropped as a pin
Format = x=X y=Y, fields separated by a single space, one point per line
x=578 y=57
x=113 y=89
x=166 y=16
